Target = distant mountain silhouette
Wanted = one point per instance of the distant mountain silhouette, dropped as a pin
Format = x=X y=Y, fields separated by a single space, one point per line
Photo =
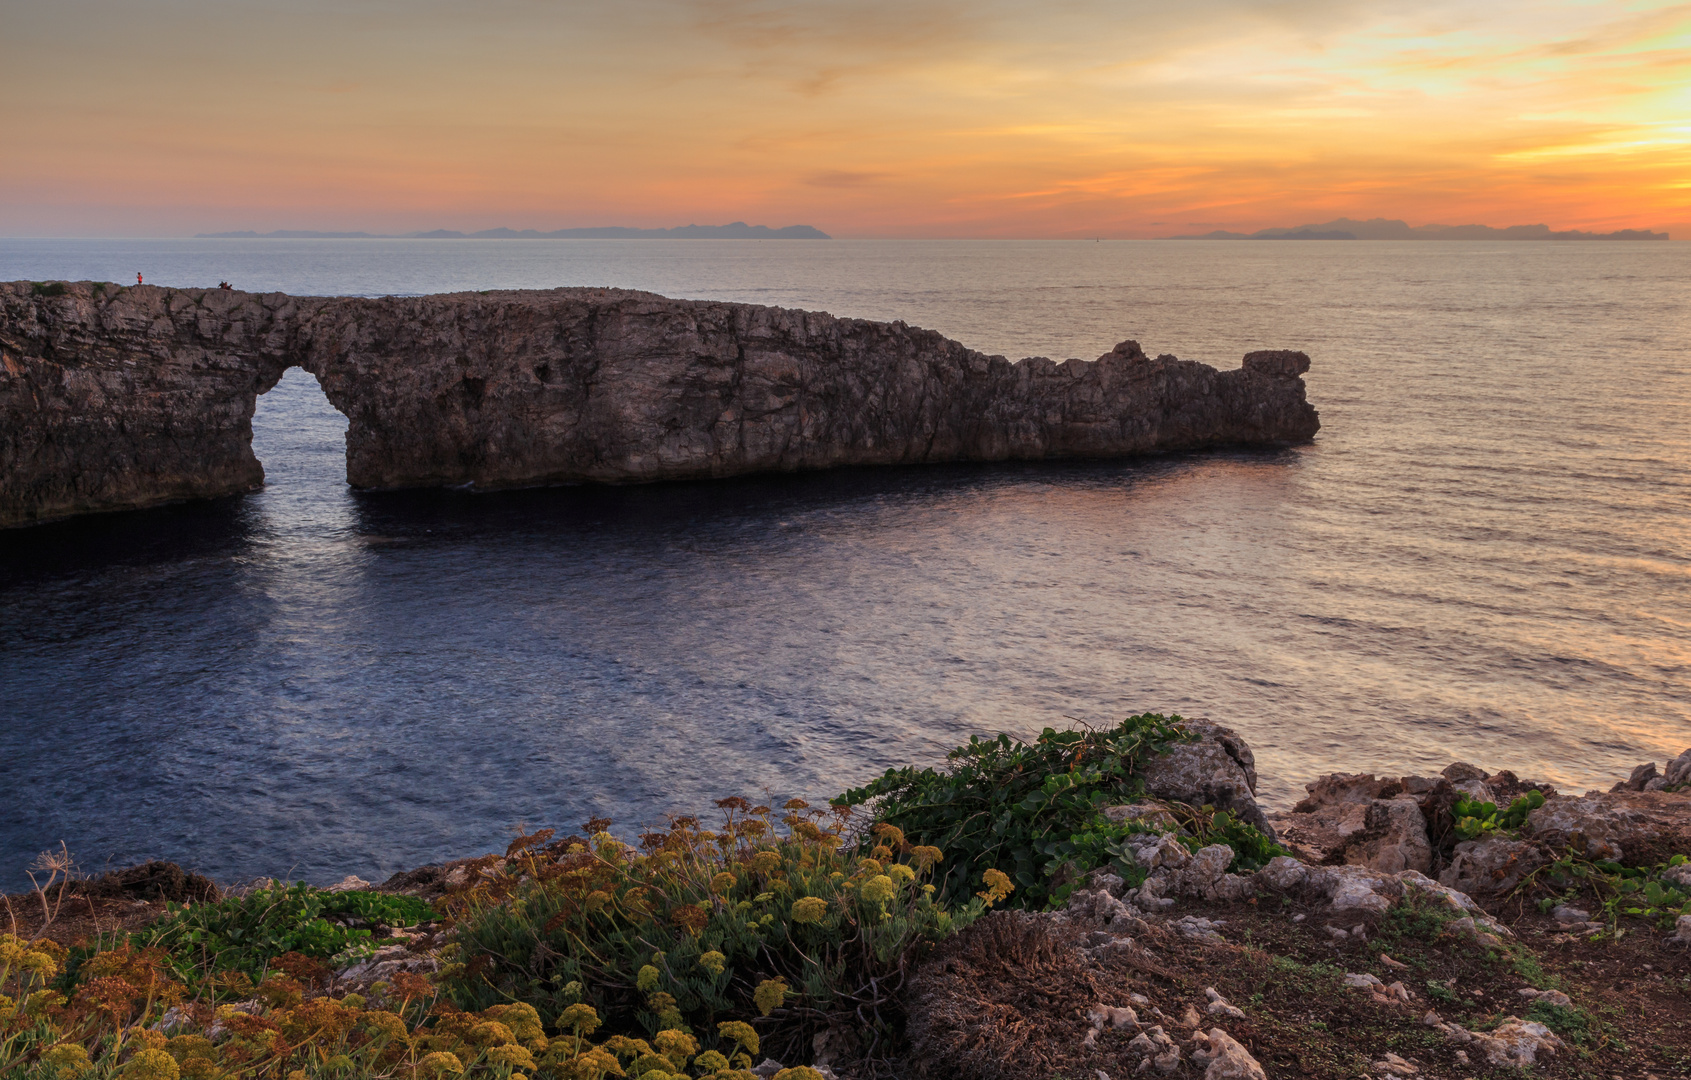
x=1388 y=229
x=285 y=234
x=737 y=230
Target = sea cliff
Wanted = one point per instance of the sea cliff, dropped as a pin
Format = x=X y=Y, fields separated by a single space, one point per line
x=119 y=397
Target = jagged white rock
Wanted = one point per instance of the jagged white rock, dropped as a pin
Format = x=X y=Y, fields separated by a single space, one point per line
x=1220 y=1006
x=1226 y=1058
x=1682 y=930
x=1517 y=1042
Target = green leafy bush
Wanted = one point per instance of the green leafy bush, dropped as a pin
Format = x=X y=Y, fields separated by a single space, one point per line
x=1638 y=891
x=1102 y=843
x=1034 y=812
x=1475 y=819
x=1572 y=1023
x=788 y=928
x=47 y=288
x=245 y=933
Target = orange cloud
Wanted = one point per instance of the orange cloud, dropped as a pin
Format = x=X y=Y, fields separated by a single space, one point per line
x=867 y=118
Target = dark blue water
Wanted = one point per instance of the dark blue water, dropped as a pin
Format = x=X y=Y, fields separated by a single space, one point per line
x=1485 y=555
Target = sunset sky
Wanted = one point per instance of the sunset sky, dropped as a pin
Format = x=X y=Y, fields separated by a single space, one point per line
x=1128 y=118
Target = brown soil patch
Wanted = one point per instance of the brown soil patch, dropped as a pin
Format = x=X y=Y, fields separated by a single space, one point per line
x=78 y=918
x=998 y=1004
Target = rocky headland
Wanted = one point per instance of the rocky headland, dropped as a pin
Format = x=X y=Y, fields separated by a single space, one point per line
x=115 y=397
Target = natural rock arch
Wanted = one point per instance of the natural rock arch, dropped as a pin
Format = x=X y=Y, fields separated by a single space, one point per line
x=114 y=397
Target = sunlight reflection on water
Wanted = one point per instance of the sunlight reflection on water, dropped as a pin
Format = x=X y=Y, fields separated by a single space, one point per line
x=1485 y=556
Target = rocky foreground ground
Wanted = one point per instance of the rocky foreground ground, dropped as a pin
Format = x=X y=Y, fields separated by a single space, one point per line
x=1443 y=926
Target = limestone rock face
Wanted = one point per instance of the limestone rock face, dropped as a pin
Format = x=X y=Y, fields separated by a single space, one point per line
x=1218 y=770
x=1678 y=771
x=1335 y=817
x=114 y=397
x=1492 y=865
x=1359 y=819
x=1636 y=826
x=1394 y=838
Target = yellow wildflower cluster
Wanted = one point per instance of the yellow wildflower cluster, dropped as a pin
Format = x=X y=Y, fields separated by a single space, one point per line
x=109 y=1026
x=809 y=909
x=423 y=1038
x=36 y=961
x=998 y=886
x=775 y=917
x=769 y=995
x=767 y=898
x=879 y=889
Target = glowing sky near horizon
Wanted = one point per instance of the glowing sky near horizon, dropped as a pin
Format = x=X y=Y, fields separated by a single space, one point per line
x=874 y=118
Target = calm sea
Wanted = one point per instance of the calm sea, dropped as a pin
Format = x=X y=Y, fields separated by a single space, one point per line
x=1485 y=555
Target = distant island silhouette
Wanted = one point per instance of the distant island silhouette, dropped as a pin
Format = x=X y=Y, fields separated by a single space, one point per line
x=737 y=230
x=1385 y=229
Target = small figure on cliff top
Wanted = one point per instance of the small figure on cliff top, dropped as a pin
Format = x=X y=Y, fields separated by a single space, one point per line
x=224 y=285
x=137 y=277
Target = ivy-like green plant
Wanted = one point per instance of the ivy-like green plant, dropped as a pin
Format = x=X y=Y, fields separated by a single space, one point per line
x=1475 y=819
x=1103 y=844
x=1619 y=890
x=1030 y=810
x=245 y=933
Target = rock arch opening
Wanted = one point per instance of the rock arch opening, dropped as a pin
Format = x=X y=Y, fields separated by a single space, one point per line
x=299 y=437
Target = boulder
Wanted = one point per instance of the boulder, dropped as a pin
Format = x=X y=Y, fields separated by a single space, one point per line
x=1364 y=820
x=1470 y=780
x=1217 y=769
x=1492 y=865
x=350 y=883
x=1635 y=827
x=1201 y=876
x=1283 y=874
x=1517 y=1042
x=1355 y=889
x=1206 y=876
x=1096 y=907
x=1394 y=838
x=1225 y=1058
x=1154 y=850
x=1198 y=928
x=1678 y=771
x=1642 y=775
x=1337 y=789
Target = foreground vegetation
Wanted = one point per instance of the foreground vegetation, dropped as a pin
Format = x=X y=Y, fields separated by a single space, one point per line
x=693 y=951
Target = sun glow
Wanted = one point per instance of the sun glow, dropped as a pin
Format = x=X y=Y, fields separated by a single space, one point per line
x=869 y=118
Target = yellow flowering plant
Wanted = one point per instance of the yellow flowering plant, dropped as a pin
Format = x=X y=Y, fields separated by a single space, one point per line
x=692 y=927
x=125 y=1018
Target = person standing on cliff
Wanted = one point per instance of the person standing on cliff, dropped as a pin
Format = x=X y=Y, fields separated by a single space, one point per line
x=137 y=277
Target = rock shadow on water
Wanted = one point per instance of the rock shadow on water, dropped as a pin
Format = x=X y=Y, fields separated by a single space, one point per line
x=387 y=518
